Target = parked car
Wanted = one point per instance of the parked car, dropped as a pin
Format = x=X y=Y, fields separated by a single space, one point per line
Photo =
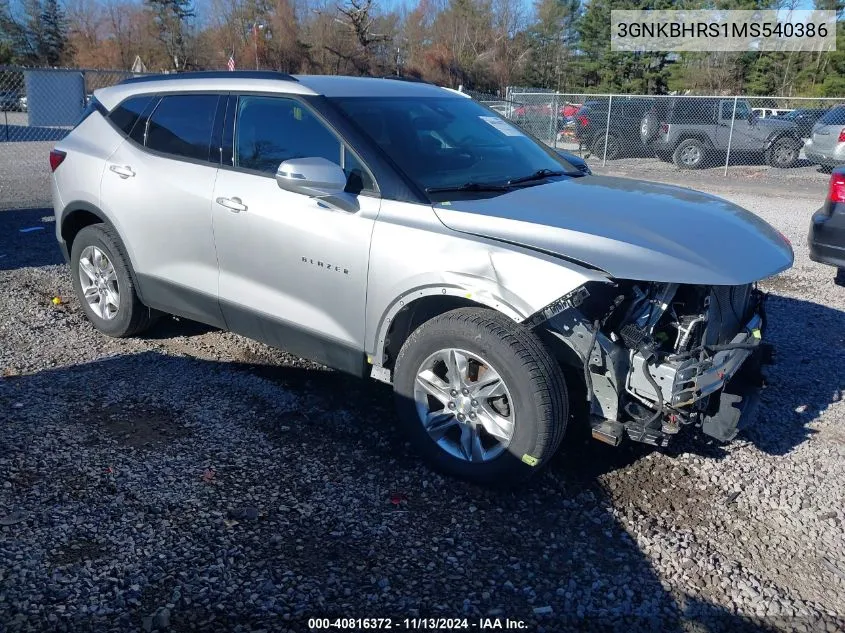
x=502 y=108
x=616 y=136
x=399 y=231
x=8 y=101
x=695 y=132
x=23 y=104
x=827 y=228
x=826 y=145
x=537 y=118
x=804 y=119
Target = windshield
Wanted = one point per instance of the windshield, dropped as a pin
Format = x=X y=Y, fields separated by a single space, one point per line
x=442 y=142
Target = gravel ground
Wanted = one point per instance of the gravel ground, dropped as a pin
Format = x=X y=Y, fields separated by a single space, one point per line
x=194 y=480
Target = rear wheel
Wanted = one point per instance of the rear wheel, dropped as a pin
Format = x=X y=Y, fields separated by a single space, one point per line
x=103 y=284
x=689 y=154
x=614 y=147
x=480 y=397
x=783 y=153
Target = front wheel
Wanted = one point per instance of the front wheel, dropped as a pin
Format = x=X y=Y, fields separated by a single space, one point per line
x=783 y=153
x=480 y=397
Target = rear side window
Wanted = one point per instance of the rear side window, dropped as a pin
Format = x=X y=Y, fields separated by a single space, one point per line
x=125 y=115
x=693 y=111
x=181 y=125
x=635 y=109
x=834 y=117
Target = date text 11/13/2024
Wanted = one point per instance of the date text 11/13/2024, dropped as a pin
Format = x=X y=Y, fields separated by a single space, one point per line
x=418 y=624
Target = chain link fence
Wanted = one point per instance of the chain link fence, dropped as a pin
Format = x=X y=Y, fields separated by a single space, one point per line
x=693 y=132
x=39 y=106
x=43 y=104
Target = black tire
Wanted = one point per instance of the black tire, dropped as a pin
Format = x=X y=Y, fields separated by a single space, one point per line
x=686 y=152
x=534 y=379
x=783 y=153
x=132 y=316
x=614 y=148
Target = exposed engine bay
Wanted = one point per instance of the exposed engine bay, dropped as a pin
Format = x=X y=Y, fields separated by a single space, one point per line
x=657 y=357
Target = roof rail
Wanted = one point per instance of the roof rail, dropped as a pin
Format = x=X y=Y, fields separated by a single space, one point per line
x=415 y=80
x=213 y=74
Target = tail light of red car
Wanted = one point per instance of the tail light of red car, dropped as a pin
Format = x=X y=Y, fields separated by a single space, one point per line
x=57 y=156
x=842 y=135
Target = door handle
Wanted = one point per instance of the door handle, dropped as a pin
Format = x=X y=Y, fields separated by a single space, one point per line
x=233 y=204
x=124 y=171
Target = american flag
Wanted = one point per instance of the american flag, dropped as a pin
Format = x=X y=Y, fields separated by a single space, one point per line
x=231 y=63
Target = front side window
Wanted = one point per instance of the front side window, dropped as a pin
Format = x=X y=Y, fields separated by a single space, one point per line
x=181 y=125
x=447 y=141
x=743 y=110
x=271 y=130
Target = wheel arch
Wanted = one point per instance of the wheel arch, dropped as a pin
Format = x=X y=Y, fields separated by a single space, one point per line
x=695 y=136
x=775 y=136
x=78 y=215
x=419 y=305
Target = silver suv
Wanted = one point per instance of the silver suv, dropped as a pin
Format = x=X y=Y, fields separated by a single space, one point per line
x=405 y=232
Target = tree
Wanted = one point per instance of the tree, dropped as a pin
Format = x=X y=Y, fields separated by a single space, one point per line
x=52 y=44
x=363 y=44
x=171 y=20
x=553 y=40
x=605 y=70
x=13 y=39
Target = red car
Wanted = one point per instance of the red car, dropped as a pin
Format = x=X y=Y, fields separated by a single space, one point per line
x=566 y=110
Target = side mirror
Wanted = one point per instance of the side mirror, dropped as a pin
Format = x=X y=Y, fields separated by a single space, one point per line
x=316 y=178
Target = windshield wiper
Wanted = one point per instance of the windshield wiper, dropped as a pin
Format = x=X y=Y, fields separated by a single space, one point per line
x=470 y=186
x=538 y=175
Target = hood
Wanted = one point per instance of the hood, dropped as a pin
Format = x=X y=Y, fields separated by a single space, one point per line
x=630 y=229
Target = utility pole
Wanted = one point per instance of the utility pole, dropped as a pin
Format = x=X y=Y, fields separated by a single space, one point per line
x=256 y=26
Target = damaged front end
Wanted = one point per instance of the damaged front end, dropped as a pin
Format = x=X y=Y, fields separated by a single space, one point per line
x=659 y=356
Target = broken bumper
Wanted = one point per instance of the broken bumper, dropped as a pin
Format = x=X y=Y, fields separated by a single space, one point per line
x=683 y=383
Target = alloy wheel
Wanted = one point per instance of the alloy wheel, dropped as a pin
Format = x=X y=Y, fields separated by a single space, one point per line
x=784 y=154
x=98 y=280
x=691 y=155
x=464 y=405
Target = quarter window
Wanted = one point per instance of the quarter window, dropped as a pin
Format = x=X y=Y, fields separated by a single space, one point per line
x=181 y=125
x=126 y=114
